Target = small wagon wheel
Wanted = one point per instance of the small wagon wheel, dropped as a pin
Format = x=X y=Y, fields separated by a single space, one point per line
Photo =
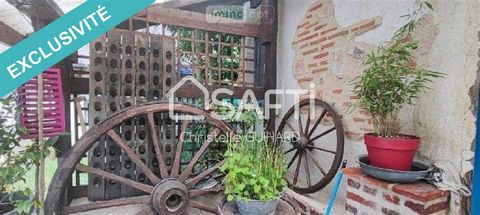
x=313 y=143
x=167 y=192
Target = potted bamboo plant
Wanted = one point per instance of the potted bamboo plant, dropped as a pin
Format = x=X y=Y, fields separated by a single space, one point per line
x=255 y=175
x=390 y=80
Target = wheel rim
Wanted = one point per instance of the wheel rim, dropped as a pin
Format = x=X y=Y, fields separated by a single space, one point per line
x=303 y=146
x=169 y=191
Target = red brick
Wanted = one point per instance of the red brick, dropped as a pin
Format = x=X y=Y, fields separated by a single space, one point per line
x=302 y=206
x=369 y=190
x=419 y=191
x=320 y=70
x=315 y=7
x=310 y=51
x=364 y=27
x=311 y=36
x=314 y=212
x=310 y=25
x=387 y=211
x=302 y=25
x=361 y=200
x=304 y=46
x=309 y=16
x=350 y=209
x=353 y=184
x=315 y=42
x=367 y=25
x=356 y=172
x=321 y=55
x=312 y=65
x=358 y=119
x=354 y=97
x=323 y=62
x=341 y=33
x=391 y=198
x=304 y=33
x=328 y=45
x=351 y=133
x=329 y=30
x=420 y=208
x=319 y=27
x=337 y=91
x=308 y=79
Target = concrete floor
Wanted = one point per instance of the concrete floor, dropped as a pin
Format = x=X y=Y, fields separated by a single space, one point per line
x=318 y=202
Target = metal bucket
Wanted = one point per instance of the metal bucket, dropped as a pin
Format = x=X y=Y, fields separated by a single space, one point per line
x=257 y=207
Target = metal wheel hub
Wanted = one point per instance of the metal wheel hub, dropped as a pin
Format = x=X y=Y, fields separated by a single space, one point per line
x=169 y=196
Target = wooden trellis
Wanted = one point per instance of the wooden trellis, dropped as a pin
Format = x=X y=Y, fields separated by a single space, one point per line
x=127 y=68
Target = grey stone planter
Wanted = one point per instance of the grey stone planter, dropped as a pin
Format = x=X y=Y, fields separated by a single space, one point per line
x=257 y=207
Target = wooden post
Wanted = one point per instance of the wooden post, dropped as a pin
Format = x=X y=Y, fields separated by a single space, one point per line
x=268 y=36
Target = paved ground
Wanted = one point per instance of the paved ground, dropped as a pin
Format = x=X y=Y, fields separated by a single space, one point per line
x=319 y=203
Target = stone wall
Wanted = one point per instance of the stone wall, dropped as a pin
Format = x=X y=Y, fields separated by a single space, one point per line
x=442 y=117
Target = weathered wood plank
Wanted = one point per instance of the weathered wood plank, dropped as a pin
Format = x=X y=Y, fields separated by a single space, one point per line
x=161 y=15
x=8 y=35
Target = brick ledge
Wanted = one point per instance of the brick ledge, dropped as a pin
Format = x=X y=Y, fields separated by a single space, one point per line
x=420 y=191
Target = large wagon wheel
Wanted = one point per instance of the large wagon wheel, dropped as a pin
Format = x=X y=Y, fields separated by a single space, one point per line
x=169 y=192
x=316 y=135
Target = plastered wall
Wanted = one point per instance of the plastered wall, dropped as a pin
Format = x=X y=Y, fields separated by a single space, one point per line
x=442 y=117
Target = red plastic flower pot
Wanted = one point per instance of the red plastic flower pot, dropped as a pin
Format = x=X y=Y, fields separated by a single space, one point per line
x=395 y=153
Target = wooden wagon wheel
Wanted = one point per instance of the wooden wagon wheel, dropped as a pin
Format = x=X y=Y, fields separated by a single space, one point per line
x=169 y=192
x=308 y=138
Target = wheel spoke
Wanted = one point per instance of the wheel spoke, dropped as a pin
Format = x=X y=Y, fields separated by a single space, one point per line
x=139 y=186
x=140 y=164
x=106 y=204
x=178 y=154
x=204 y=174
x=202 y=206
x=307 y=171
x=156 y=145
x=323 y=134
x=291 y=128
x=300 y=126
x=290 y=150
x=307 y=126
x=292 y=160
x=297 y=170
x=188 y=170
x=323 y=150
x=216 y=189
x=317 y=123
x=316 y=163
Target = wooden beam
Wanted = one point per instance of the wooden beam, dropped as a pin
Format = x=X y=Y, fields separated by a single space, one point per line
x=191 y=91
x=201 y=7
x=8 y=35
x=201 y=21
x=45 y=10
x=268 y=35
x=180 y=3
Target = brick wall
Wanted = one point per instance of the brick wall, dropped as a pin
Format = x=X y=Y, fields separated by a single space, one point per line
x=327 y=55
x=366 y=195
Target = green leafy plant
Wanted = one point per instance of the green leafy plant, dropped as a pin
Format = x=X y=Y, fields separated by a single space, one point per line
x=392 y=78
x=17 y=158
x=254 y=169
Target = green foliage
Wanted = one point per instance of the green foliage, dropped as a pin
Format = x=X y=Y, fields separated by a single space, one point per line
x=254 y=168
x=16 y=158
x=228 y=56
x=247 y=118
x=392 y=79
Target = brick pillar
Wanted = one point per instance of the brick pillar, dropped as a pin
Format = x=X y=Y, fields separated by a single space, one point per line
x=367 y=195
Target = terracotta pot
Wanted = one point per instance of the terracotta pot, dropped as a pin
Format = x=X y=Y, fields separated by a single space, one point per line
x=395 y=153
